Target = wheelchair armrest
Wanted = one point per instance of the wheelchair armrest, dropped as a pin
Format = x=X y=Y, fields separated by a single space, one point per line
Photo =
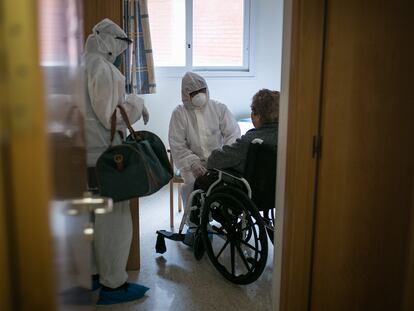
x=232 y=174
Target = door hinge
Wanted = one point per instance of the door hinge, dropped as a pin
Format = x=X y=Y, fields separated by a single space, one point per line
x=316 y=147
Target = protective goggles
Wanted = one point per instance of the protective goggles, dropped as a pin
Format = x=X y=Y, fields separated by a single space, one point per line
x=127 y=40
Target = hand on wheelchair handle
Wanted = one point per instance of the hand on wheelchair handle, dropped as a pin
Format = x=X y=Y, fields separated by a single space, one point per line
x=198 y=169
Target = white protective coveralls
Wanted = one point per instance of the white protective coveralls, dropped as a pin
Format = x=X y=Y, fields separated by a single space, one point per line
x=196 y=131
x=105 y=90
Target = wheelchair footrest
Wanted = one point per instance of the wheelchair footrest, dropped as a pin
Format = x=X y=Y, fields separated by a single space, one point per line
x=160 y=246
x=171 y=235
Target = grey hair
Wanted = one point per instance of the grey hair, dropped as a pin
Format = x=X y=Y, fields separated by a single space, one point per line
x=265 y=103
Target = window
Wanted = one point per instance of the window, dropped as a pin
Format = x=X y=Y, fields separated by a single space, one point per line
x=199 y=35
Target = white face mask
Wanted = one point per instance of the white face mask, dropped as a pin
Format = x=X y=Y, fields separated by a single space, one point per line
x=199 y=100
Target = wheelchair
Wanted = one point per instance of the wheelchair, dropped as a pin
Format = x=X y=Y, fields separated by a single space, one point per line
x=232 y=217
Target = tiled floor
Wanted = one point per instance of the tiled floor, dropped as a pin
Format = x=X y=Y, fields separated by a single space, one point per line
x=177 y=281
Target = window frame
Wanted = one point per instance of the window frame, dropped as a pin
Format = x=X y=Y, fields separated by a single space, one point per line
x=247 y=69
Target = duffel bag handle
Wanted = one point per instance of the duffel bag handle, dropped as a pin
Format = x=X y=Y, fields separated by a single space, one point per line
x=124 y=115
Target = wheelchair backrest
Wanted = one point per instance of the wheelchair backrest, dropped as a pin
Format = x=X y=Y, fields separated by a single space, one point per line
x=260 y=172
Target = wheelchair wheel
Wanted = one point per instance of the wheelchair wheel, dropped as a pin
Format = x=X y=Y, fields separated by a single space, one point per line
x=234 y=235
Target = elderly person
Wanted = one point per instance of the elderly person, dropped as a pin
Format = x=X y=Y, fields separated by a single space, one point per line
x=265 y=115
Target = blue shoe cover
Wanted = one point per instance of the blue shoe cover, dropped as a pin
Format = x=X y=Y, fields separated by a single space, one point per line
x=127 y=292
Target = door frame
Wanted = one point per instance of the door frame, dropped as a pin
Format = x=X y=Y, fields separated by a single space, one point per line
x=302 y=61
x=301 y=90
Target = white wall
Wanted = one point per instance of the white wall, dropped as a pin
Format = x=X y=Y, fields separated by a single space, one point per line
x=235 y=92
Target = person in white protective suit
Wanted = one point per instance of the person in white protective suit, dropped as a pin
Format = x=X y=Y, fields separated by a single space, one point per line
x=105 y=90
x=197 y=127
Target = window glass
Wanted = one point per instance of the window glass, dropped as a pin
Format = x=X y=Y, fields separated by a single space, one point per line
x=218 y=33
x=167 y=20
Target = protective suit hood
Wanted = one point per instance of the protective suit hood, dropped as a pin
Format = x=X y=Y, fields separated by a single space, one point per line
x=192 y=82
x=103 y=40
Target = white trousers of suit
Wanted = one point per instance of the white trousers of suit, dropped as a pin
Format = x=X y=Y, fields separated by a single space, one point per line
x=112 y=242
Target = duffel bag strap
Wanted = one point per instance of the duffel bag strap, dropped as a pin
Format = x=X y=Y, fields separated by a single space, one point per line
x=113 y=127
x=124 y=115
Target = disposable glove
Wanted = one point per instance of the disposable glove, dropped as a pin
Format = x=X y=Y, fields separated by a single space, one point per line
x=134 y=107
x=198 y=169
x=145 y=115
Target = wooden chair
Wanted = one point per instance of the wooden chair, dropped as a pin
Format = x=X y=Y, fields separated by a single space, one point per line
x=177 y=179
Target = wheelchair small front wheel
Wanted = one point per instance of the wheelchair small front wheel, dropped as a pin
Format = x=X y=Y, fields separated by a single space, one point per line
x=234 y=235
x=198 y=246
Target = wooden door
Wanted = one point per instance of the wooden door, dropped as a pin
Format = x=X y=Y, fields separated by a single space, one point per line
x=5 y=276
x=364 y=195
x=24 y=164
x=42 y=158
x=349 y=246
x=96 y=10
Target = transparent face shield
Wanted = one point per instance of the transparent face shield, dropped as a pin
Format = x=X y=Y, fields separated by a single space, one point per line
x=126 y=60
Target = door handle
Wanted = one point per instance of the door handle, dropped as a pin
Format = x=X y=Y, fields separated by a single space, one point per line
x=87 y=204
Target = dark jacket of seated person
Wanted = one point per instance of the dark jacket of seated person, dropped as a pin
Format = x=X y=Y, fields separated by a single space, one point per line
x=265 y=116
x=234 y=156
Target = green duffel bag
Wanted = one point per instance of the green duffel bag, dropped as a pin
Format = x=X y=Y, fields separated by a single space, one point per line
x=157 y=146
x=138 y=167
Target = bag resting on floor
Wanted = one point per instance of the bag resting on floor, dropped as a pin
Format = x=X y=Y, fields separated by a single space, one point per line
x=137 y=167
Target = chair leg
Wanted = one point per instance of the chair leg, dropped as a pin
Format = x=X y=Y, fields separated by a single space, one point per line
x=180 y=206
x=171 y=204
